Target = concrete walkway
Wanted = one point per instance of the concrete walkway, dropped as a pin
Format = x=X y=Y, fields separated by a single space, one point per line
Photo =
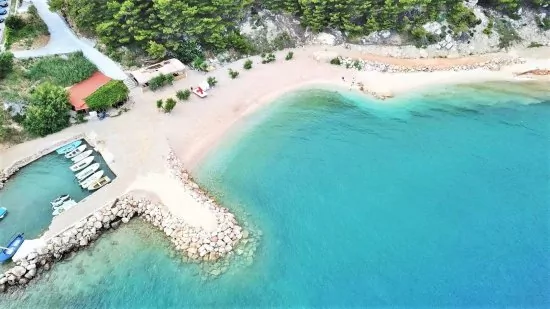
x=63 y=40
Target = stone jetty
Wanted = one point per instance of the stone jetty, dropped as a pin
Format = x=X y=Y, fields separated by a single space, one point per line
x=194 y=243
x=17 y=165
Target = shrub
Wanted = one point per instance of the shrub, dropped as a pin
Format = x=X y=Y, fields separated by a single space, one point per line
x=108 y=95
x=15 y=22
x=507 y=34
x=6 y=64
x=159 y=103
x=211 y=81
x=239 y=43
x=336 y=61
x=289 y=56
x=183 y=95
x=489 y=27
x=169 y=106
x=247 y=64
x=200 y=64
x=544 y=23
x=160 y=81
x=268 y=58
x=282 y=41
x=233 y=74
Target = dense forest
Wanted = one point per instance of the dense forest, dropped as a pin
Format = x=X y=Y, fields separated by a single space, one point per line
x=184 y=28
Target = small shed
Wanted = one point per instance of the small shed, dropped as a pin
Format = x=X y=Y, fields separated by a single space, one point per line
x=172 y=67
x=79 y=92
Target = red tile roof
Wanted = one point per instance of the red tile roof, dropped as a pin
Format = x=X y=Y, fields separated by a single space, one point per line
x=82 y=90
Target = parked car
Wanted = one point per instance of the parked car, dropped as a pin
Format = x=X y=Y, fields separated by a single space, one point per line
x=1 y=20
x=3 y=12
x=4 y=4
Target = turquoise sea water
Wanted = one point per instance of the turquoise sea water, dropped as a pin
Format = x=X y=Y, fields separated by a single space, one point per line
x=27 y=195
x=431 y=200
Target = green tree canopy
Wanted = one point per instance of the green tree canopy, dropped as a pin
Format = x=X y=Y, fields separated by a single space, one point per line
x=48 y=111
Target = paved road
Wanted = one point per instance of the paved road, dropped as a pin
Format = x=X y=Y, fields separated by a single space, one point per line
x=2 y=26
x=63 y=40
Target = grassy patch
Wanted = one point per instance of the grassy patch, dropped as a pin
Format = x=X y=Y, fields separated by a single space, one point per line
x=29 y=27
x=62 y=71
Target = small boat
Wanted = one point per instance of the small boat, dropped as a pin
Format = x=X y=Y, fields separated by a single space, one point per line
x=100 y=183
x=68 y=147
x=76 y=151
x=199 y=92
x=60 y=200
x=87 y=171
x=66 y=206
x=90 y=180
x=82 y=164
x=7 y=252
x=3 y=212
x=82 y=156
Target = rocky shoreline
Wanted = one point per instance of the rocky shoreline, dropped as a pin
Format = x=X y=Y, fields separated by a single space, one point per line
x=195 y=244
x=17 y=165
x=494 y=64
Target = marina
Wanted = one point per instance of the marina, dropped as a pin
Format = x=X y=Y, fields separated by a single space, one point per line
x=56 y=188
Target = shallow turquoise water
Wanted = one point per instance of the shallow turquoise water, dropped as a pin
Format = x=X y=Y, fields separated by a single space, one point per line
x=27 y=195
x=429 y=201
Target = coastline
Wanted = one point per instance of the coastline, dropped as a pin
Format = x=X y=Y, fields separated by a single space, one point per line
x=145 y=137
x=234 y=100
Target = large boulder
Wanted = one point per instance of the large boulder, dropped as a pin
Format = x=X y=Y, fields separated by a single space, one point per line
x=19 y=271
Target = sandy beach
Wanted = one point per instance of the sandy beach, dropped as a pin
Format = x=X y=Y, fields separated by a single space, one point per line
x=140 y=138
x=197 y=126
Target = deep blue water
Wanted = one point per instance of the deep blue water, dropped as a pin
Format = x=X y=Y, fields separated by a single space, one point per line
x=435 y=199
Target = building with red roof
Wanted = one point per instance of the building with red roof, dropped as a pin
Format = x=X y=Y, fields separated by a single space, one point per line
x=79 y=92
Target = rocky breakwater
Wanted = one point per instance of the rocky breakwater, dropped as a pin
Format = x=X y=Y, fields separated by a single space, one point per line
x=196 y=244
x=17 y=165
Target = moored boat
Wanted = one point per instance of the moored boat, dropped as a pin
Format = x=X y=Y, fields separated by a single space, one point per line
x=3 y=212
x=75 y=152
x=7 y=252
x=82 y=156
x=66 y=206
x=90 y=180
x=100 y=183
x=68 y=147
x=82 y=164
x=87 y=171
x=60 y=200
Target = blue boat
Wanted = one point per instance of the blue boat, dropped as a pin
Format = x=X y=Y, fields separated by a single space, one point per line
x=3 y=212
x=68 y=147
x=7 y=252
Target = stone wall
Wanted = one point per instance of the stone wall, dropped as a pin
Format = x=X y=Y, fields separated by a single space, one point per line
x=17 y=165
x=194 y=243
